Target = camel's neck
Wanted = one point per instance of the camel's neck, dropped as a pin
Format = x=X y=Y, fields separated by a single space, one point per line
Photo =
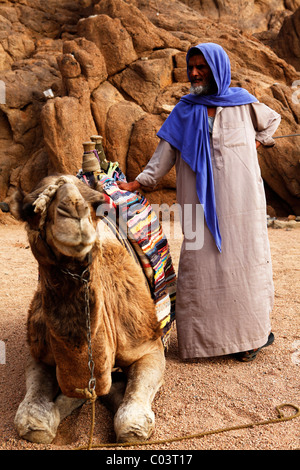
x=67 y=292
x=65 y=280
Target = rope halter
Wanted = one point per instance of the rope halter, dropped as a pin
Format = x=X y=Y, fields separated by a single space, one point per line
x=42 y=203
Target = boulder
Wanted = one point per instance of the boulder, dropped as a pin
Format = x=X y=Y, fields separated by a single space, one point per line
x=146 y=78
x=143 y=142
x=35 y=168
x=67 y=122
x=118 y=128
x=246 y=15
x=145 y=36
x=111 y=38
x=91 y=61
x=280 y=164
x=287 y=44
x=14 y=45
x=105 y=96
x=69 y=70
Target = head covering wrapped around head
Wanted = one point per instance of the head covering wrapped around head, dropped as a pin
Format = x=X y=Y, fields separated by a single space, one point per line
x=219 y=64
x=187 y=128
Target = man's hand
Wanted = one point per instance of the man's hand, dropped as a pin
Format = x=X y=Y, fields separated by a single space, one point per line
x=133 y=186
x=257 y=144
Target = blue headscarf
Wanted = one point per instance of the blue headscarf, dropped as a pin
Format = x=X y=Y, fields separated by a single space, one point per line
x=187 y=129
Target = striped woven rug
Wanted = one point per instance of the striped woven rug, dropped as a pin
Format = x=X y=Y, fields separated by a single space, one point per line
x=139 y=229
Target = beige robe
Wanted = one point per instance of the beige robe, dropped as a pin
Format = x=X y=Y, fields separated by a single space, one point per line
x=224 y=300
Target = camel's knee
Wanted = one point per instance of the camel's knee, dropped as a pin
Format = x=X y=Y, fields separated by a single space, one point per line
x=66 y=405
x=116 y=394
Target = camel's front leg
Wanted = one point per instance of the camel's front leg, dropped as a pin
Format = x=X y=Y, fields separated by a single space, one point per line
x=134 y=420
x=38 y=417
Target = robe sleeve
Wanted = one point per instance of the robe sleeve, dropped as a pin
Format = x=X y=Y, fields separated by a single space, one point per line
x=160 y=164
x=266 y=122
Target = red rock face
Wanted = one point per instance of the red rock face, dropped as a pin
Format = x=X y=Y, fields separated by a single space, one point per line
x=287 y=42
x=117 y=68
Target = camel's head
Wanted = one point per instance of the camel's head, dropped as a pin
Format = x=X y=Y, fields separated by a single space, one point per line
x=59 y=214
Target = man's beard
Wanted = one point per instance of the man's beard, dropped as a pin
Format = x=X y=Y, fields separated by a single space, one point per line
x=207 y=89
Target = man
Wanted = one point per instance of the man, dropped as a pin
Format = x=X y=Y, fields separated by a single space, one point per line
x=225 y=288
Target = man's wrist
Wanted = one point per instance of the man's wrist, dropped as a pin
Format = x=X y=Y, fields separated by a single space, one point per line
x=137 y=185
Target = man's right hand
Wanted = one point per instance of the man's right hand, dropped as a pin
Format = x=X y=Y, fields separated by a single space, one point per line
x=131 y=187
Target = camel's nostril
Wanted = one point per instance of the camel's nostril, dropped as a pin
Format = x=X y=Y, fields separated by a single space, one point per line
x=73 y=209
x=82 y=209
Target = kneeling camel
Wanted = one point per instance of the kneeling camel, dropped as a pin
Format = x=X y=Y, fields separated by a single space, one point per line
x=124 y=331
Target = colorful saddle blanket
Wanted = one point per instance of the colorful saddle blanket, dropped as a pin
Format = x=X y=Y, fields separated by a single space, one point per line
x=139 y=229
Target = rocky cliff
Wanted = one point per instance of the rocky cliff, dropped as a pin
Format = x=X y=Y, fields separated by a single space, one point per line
x=117 y=67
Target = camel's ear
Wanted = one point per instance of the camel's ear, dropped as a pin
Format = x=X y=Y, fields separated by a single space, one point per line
x=92 y=195
x=21 y=206
x=16 y=204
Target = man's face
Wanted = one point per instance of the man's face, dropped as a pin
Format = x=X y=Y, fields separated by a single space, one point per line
x=201 y=77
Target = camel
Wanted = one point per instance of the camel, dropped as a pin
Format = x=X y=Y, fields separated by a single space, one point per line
x=125 y=334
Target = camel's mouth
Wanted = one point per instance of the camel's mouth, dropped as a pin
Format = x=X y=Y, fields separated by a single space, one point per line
x=76 y=251
x=73 y=237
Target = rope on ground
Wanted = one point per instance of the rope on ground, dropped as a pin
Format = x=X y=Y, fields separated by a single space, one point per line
x=282 y=418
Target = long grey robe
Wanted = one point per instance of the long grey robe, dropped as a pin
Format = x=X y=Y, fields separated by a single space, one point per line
x=224 y=300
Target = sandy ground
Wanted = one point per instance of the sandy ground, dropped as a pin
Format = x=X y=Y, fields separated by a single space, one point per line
x=199 y=396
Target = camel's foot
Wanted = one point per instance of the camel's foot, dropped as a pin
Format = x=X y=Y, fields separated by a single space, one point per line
x=133 y=422
x=37 y=422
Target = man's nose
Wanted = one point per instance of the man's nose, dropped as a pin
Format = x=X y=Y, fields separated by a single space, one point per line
x=194 y=72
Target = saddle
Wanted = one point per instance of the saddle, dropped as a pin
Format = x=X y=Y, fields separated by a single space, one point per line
x=134 y=223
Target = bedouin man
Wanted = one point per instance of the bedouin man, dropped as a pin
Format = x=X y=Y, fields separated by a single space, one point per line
x=225 y=287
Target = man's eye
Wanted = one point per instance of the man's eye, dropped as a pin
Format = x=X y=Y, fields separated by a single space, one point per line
x=198 y=67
